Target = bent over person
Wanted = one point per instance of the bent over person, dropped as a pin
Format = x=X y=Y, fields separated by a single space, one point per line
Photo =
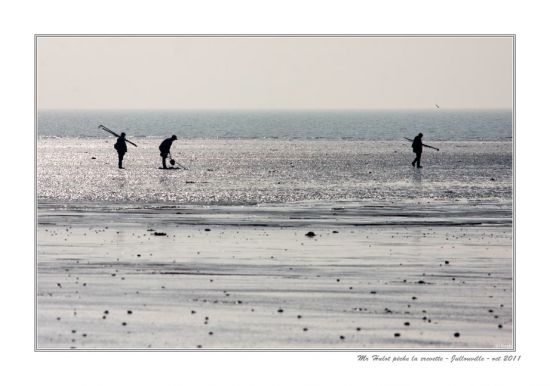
x=417 y=149
x=121 y=148
x=165 y=149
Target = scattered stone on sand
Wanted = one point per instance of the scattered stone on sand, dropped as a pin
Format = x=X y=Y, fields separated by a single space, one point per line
x=124 y=323
x=457 y=334
x=159 y=234
x=500 y=326
x=407 y=324
x=93 y=158
x=207 y=229
x=421 y=282
x=397 y=335
x=280 y=310
x=447 y=262
x=342 y=337
x=129 y=312
x=413 y=298
x=299 y=316
x=210 y=333
x=310 y=234
x=193 y=312
x=305 y=329
x=335 y=232
x=358 y=328
x=373 y=292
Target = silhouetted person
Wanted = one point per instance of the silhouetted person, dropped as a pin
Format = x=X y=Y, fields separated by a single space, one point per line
x=417 y=149
x=121 y=148
x=165 y=149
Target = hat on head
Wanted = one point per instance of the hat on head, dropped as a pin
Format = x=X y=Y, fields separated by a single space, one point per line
x=174 y=137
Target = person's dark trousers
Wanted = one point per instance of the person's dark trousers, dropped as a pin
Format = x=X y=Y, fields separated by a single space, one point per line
x=120 y=157
x=164 y=156
x=417 y=160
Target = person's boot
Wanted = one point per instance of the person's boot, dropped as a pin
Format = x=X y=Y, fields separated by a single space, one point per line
x=418 y=166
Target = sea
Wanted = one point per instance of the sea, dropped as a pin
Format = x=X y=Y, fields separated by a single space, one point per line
x=349 y=167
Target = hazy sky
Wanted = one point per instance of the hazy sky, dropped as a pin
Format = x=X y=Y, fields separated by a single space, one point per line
x=274 y=72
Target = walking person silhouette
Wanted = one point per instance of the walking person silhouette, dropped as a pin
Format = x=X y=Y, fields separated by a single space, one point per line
x=417 y=149
x=121 y=148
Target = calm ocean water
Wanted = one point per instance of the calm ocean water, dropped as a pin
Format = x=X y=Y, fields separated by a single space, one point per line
x=436 y=124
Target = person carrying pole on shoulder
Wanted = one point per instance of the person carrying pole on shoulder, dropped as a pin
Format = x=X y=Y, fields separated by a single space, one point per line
x=121 y=148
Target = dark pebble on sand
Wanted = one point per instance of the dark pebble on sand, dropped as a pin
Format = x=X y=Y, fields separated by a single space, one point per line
x=103 y=317
x=192 y=311
x=407 y=324
x=129 y=312
x=93 y=158
x=446 y=261
x=358 y=328
x=335 y=232
x=490 y=311
x=337 y=280
x=210 y=333
x=373 y=292
x=397 y=335
x=207 y=229
x=414 y=298
x=310 y=234
x=299 y=316
x=59 y=285
x=342 y=337
x=73 y=331
x=106 y=312
x=305 y=328
x=124 y=323
x=280 y=310
x=159 y=234
x=457 y=334
x=421 y=282
x=500 y=326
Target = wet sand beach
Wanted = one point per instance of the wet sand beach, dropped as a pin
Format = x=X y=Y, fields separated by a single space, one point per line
x=153 y=281
x=219 y=256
